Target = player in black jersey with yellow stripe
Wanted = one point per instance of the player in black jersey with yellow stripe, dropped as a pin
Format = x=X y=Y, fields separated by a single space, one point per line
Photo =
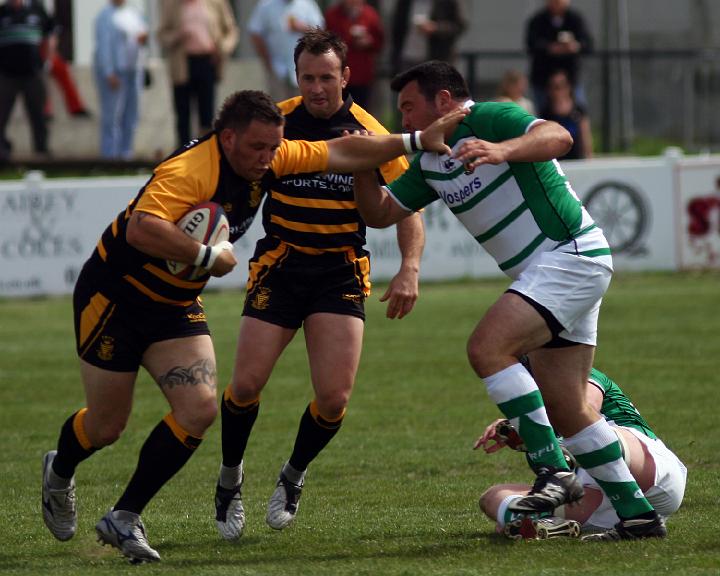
x=310 y=270
x=131 y=312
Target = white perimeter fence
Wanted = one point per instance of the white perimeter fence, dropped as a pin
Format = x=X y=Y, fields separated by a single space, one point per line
x=658 y=214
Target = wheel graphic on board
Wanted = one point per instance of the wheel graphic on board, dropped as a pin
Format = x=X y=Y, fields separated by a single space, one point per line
x=620 y=211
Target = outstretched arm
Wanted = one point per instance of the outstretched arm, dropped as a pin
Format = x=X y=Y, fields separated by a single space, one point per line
x=544 y=141
x=354 y=152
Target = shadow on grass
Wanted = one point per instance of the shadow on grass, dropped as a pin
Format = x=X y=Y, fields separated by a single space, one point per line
x=260 y=551
x=256 y=550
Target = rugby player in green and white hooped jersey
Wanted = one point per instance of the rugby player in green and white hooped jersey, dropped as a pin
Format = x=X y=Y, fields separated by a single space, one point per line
x=503 y=183
x=658 y=471
x=514 y=210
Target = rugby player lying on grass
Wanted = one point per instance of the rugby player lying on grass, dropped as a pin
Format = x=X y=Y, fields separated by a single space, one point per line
x=658 y=471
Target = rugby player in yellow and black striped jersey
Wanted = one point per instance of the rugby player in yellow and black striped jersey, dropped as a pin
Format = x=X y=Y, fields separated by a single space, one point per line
x=130 y=312
x=310 y=270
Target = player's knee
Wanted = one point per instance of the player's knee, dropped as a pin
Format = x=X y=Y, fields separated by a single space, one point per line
x=488 y=355
x=246 y=387
x=204 y=414
x=208 y=413
x=106 y=433
x=196 y=419
x=480 y=357
x=333 y=405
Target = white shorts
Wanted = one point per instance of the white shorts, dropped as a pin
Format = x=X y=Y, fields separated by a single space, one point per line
x=571 y=288
x=665 y=495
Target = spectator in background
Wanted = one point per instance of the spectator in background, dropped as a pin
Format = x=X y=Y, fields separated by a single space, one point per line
x=58 y=64
x=555 y=38
x=197 y=35
x=358 y=24
x=120 y=35
x=425 y=30
x=513 y=87
x=275 y=26
x=24 y=24
x=60 y=72
x=562 y=108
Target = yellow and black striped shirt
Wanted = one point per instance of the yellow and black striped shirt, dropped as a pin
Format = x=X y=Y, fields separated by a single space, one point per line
x=315 y=211
x=196 y=173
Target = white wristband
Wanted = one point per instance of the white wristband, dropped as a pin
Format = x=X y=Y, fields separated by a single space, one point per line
x=407 y=143
x=208 y=254
x=214 y=253
x=415 y=140
x=411 y=142
x=203 y=255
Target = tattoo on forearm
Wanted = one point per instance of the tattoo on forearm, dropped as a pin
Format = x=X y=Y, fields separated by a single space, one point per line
x=201 y=372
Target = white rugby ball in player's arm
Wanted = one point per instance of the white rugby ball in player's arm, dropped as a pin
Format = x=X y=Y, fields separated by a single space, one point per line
x=207 y=224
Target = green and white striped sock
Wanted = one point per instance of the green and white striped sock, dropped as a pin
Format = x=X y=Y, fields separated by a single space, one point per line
x=518 y=398
x=597 y=449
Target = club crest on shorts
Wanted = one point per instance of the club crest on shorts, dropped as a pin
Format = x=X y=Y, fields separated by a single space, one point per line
x=357 y=298
x=106 y=350
x=261 y=298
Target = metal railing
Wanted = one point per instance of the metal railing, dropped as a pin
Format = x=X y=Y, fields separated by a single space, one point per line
x=668 y=95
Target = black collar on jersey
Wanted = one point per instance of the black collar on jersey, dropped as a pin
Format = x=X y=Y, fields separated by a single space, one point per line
x=342 y=112
x=323 y=128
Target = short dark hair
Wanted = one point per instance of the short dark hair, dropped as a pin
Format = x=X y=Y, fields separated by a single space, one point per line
x=244 y=106
x=433 y=76
x=318 y=41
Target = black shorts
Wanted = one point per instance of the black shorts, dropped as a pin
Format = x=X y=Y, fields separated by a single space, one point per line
x=285 y=286
x=112 y=334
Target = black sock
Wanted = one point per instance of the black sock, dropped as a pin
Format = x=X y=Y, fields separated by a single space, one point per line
x=313 y=435
x=162 y=455
x=70 y=451
x=237 y=423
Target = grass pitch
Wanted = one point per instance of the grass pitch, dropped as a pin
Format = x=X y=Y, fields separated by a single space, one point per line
x=396 y=491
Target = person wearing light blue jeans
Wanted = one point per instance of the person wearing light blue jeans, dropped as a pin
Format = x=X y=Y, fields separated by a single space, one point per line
x=120 y=34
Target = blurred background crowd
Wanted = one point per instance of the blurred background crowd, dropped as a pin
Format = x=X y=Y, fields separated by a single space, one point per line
x=129 y=80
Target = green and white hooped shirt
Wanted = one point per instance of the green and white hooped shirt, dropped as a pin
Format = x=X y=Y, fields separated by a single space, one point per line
x=515 y=210
x=616 y=407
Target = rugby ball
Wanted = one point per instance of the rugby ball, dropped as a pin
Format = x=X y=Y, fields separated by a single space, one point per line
x=207 y=224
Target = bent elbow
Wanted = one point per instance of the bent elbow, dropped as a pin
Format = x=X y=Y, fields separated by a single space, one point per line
x=378 y=224
x=134 y=236
x=137 y=234
x=377 y=219
x=557 y=139
x=565 y=142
